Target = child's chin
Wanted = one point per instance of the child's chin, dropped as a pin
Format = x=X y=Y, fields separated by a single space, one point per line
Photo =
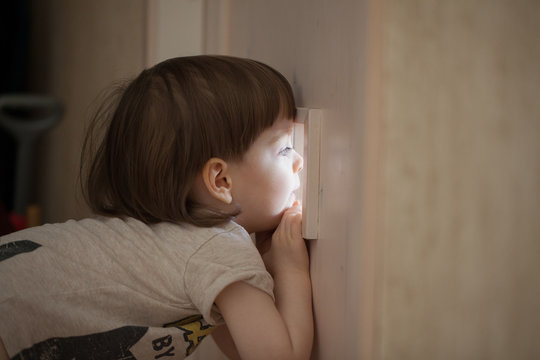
x=275 y=220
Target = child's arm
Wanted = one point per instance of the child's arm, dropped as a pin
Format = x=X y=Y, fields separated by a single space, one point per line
x=260 y=328
x=224 y=341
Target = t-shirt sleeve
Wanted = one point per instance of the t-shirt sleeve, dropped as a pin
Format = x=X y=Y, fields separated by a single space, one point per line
x=222 y=260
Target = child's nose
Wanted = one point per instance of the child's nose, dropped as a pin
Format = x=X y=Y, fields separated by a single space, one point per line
x=298 y=163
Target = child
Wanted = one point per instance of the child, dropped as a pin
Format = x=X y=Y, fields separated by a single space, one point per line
x=196 y=154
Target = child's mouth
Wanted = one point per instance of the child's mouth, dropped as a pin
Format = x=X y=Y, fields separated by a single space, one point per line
x=292 y=198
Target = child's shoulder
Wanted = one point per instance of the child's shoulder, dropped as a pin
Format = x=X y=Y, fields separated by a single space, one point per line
x=93 y=228
x=90 y=233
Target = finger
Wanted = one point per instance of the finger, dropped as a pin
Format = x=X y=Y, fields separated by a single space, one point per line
x=296 y=226
x=297 y=209
x=290 y=227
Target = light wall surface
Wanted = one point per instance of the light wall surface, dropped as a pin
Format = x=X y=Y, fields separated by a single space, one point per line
x=174 y=28
x=462 y=180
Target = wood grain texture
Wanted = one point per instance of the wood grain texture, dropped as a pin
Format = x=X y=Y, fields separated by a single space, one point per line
x=462 y=180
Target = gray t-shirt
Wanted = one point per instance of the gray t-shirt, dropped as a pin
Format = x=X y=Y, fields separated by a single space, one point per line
x=110 y=288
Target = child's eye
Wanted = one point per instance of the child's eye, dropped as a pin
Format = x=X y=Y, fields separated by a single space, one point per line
x=285 y=151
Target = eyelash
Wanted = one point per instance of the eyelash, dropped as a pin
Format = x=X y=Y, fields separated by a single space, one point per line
x=285 y=151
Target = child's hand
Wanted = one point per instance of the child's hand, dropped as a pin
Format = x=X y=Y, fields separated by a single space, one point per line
x=285 y=250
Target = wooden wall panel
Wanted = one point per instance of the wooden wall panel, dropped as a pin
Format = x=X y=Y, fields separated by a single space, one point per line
x=462 y=180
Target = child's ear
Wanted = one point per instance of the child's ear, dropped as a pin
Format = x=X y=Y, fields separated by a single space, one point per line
x=217 y=180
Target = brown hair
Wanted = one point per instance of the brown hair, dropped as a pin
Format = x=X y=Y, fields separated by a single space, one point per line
x=160 y=130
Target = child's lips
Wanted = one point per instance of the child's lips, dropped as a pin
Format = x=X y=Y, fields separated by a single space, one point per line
x=292 y=198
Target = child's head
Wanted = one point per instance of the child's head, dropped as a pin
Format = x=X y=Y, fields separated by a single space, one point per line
x=168 y=123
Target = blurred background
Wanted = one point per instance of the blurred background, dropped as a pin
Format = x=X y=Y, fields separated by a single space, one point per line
x=71 y=50
x=430 y=166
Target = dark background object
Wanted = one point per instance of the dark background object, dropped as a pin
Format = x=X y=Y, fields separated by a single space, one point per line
x=14 y=35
